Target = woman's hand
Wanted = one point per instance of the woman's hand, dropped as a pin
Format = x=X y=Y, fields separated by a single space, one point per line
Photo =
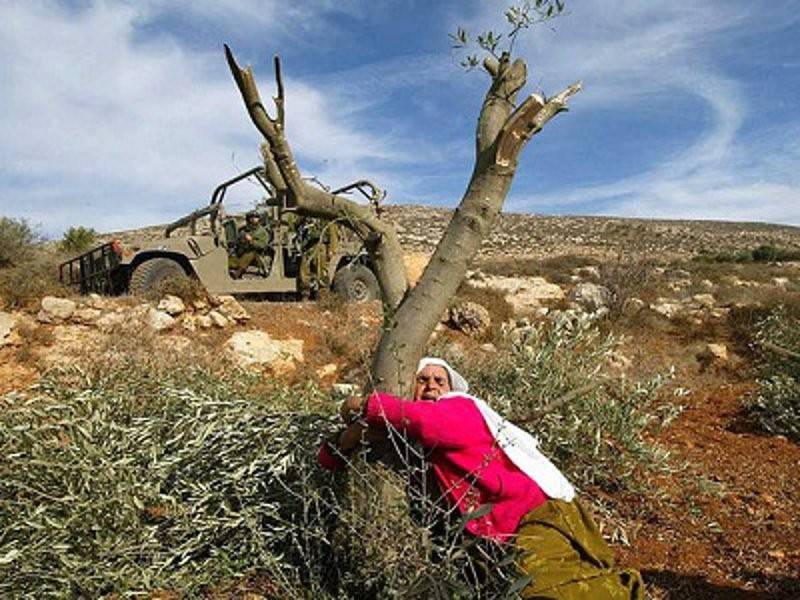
x=350 y=408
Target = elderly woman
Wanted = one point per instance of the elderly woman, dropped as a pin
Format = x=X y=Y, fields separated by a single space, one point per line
x=479 y=458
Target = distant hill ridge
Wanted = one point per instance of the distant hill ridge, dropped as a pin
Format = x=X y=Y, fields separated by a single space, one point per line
x=420 y=228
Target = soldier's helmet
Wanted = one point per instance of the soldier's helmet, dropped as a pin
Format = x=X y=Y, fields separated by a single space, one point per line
x=252 y=215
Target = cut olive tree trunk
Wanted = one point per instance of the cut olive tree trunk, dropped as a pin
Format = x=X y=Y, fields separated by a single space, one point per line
x=412 y=314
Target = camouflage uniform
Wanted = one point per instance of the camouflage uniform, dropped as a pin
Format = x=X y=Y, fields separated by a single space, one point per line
x=318 y=243
x=248 y=251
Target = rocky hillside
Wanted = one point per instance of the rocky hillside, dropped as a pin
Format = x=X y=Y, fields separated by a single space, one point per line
x=421 y=227
x=541 y=236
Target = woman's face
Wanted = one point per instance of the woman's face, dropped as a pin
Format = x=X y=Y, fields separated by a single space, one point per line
x=432 y=381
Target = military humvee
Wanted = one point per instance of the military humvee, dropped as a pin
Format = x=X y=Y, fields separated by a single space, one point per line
x=139 y=266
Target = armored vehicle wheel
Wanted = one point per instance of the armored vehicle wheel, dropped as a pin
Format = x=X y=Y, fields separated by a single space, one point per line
x=153 y=273
x=356 y=283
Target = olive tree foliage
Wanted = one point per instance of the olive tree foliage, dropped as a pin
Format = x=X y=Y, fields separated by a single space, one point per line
x=505 y=125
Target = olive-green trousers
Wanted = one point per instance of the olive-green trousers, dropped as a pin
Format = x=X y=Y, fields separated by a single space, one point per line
x=242 y=261
x=562 y=549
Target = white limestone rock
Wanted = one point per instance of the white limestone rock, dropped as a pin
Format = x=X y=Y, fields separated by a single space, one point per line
x=230 y=308
x=217 y=319
x=56 y=309
x=86 y=315
x=110 y=320
x=707 y=284
x=632 y=306
x=471 y=318
x=327 y=370
x=199 y=304
x=189 y=323
x=158 y=320
x=204 y=321
x=714 y=353
x=524 y=294
x=8 y=322
x=591 y=296
x=95 y=301
x=704 y=300
x=172 y=305
x=667 y=308
x=257 y=348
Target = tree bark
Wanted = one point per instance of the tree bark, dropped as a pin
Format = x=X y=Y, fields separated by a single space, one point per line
x=501 y=134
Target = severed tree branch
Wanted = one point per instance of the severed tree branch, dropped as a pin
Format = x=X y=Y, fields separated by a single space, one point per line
x=780 y=350
x=268 y=127
x=527 y=120
x=279 y=98
x=383 y=242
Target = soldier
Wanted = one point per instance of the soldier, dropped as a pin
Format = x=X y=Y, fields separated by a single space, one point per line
x=252 y=243
x=318 y=240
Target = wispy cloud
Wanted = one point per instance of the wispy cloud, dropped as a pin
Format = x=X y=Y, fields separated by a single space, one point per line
x=635 y=55
x=105 y=127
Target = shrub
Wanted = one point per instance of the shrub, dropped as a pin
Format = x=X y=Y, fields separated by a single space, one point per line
x=17 y=241
x=26 y=283
x=773 y=254
x=121 y=482
x=761 y=254
x=777 y=346
x=628 y=279
x=78 y=239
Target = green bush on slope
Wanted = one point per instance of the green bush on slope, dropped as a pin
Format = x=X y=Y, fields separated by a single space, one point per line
x=777 y=346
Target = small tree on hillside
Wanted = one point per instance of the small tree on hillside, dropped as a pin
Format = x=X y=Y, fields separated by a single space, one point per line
x=503 y=129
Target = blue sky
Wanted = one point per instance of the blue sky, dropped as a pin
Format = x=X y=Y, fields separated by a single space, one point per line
x=118 y=114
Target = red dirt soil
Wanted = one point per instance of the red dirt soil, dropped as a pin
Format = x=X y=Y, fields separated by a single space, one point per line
x=725 y=525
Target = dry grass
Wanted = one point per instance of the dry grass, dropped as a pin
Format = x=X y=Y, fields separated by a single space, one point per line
x=23 y=285
x=32 y=338
x=556 y=269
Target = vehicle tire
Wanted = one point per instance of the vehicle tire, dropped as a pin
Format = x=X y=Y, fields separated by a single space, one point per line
x=152 y=274
x=356 y=283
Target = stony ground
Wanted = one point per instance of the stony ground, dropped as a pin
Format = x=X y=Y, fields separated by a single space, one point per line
x=721 y=524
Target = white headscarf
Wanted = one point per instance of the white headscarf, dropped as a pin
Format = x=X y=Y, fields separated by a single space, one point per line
x=519 y=445
x=457 y=382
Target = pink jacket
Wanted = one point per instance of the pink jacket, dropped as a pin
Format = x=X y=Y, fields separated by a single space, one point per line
x=469 y=466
